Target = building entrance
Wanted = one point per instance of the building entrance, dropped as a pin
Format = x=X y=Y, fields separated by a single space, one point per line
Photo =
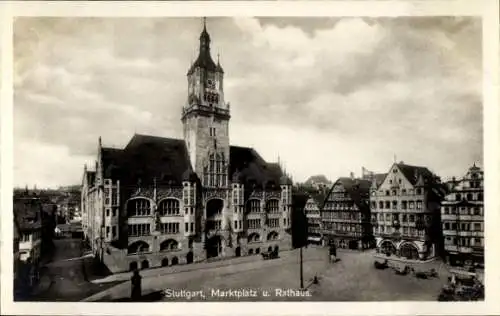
x=214 y=247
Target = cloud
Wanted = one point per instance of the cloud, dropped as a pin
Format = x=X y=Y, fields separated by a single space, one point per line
x=328 y=94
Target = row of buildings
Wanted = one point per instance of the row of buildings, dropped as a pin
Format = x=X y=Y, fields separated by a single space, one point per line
x=162 y=201
x=407 y=212
x=34 y=223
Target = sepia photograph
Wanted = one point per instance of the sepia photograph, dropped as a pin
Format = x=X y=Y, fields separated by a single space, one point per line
x=248 y=159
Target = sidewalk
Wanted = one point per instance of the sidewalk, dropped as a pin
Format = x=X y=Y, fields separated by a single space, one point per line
x=231 y=274
x=156 y=272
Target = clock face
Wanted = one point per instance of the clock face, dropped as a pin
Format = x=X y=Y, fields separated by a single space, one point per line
x=211 y=84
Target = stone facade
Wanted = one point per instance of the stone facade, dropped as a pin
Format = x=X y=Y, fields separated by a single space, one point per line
x=160 y=201
x=462 y=215
x=405 y=212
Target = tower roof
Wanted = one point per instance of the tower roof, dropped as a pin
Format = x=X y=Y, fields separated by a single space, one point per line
x=204 y=59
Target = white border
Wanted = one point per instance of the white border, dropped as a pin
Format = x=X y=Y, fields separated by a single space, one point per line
x=487 y=9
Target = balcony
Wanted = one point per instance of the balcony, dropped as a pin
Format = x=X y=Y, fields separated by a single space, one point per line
x=477 y=249
x=449 y=232
x=451 y=247
x=449 y=217
x=464 y=249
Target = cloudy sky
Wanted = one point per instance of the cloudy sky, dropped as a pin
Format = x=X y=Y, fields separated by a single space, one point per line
x=328 y=95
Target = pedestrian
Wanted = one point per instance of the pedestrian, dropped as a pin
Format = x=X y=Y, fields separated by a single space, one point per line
x=136 y=286
x=333 y=253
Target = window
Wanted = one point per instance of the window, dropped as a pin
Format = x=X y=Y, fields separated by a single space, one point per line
x=255 y=223
x=139 y=207
x=387 y=192
x=107 y=212
x=419 y=205
x=169 y=207
x=169 y=245
x=106 y=196
x=114 y=197
x=272 y=206
x=114 y=212
x=215 y=171
x=446 y=225
x=404 y=205
x=113 y=231
x=107 y=231
x=394 y=192
x=412 y=205
x=253 y=206
x=273 y=222
x=394 y=205
x=418 y=191
x=387 y=204
x=477 y=227
x=186 y=227
x=138 y=247
x=169 y=228
x=214 y=224
x=380 y=205
x=405 y=218
x=139 y=230
x=412 y=218
x=253 y=238
x=476 y=211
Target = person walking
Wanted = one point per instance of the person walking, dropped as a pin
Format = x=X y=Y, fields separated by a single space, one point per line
x=333 y=253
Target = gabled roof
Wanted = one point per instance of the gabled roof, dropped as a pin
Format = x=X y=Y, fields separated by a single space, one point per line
x=252 y=168
x=166 y=159
x=111 y=160
x=27 y=213
x=379 y=178
x=319 y=199
x=146 y=158
x=358 y=189
x=414 y=173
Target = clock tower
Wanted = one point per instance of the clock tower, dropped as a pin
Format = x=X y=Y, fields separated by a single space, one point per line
x=205 y=118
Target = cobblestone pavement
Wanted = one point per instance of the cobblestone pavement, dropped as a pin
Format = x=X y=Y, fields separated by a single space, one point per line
x=353 y=278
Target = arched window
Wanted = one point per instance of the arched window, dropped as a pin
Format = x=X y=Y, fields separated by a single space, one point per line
x=138 y=247
x=272 y=236
x=169 y=207
x=169 y=245
x=253 y=238
x=215 y=174
x=138 y=207
x=272 y=206
x=253 y=206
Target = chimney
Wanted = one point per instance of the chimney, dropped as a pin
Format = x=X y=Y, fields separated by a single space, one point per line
x=352 y=175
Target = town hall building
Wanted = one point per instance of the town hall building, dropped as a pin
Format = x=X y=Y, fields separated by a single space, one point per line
x=161 y=201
